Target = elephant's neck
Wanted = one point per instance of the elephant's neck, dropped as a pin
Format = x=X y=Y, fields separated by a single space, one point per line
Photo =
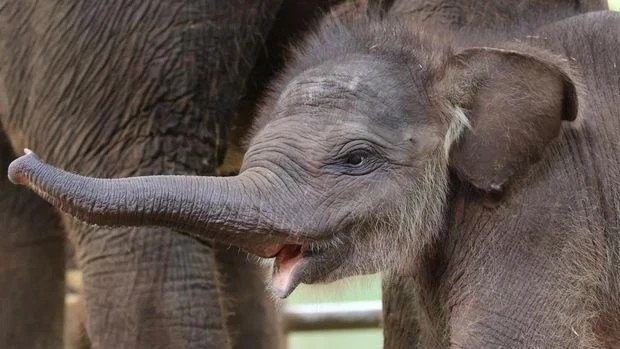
x=511 y=271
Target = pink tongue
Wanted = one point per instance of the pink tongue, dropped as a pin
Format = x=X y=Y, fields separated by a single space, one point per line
x=285 y=263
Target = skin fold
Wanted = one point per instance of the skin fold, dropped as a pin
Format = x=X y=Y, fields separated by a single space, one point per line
x=487 y=174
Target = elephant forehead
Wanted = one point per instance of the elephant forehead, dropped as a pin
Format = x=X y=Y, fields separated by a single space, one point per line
x=354 y=87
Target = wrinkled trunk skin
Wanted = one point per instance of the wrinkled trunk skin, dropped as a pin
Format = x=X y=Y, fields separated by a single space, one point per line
x=125 y=88
x=31 y=267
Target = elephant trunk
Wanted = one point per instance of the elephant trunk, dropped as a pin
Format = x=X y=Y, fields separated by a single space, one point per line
x=227 y=209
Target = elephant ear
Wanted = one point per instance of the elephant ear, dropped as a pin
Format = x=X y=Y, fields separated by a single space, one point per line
x=515 y=103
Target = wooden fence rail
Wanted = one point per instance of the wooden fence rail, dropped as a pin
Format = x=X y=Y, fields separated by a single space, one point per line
x=332 y=316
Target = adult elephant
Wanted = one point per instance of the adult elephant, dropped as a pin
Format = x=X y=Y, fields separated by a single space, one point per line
x=125 y=88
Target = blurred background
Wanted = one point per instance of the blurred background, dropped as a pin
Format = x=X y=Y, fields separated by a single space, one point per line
x=366 y=288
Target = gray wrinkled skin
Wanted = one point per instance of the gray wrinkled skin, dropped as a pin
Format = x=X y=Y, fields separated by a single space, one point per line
x=150 y=92
x=133 y=88
x=470 y=174
x=470 y=19
x=515 y=15
x=464 y=168
x=114 y=89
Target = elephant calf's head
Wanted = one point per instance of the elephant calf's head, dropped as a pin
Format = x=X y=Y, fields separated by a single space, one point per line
x=347 y=171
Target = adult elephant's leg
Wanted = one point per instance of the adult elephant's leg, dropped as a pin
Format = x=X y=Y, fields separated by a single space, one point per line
x=252 y=317
x=400 y=313
x=31 y=266
x=120 y=88
x=145 y=290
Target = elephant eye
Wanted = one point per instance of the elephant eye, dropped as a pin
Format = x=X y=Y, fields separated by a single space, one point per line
x=356 y=158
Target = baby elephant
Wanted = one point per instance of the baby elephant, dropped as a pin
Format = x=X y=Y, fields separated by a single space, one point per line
x=489 y=173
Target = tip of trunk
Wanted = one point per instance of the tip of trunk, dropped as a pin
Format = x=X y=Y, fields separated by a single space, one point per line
x=20 y=167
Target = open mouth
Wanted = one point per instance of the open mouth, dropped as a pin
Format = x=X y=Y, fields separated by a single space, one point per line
x=297 y=262
x=287 y=268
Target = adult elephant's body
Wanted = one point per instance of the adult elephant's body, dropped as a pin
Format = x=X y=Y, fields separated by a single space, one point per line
x=120 y=88
x=510 y=14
